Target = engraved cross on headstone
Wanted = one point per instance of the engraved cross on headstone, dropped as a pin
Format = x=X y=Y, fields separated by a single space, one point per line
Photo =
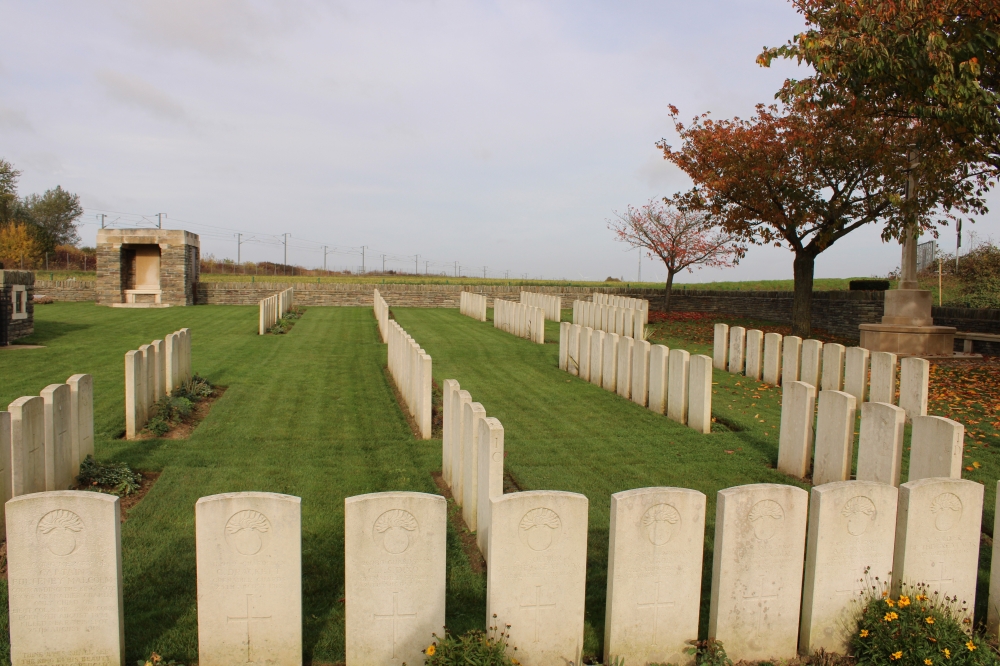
x=760 y=598
x=537 y=607
x=248 y=618
x=395 y=616
x=941 y=574
x=656 y=605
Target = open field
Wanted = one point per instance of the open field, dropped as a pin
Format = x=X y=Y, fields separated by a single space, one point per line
x=312 y=414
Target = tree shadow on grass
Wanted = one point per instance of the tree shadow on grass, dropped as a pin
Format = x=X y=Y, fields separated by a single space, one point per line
x=48 y=331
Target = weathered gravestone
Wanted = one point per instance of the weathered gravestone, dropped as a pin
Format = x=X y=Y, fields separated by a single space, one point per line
x=472 y=414
x=171 y=361
x=27 y=445
x=760 y=534
x=186 y=371
x=882 y=385
x=880 y=446
x=573 y=350
x=914 y=374
x=851 y=536
x=564 y=345
x=394 y=570
x=856 y=361
x=135 y=415
x=624 y=378
x=795 y=438
x=833 y=367
x=936 y=446
x=791 y=358
x=159 y=372
x=654 y=574
x=585 y=335
x=755 y=354
x=451 y=387
x=678 y=366
x=149 y=379
x=699 y=409
x=491 y=453
x=640 y=372
x=58 y=438
x=937 y=539
x=609 y=372
x=993 y=609
x=658 y=355
x=737 y=349
x=834 y=437
x=64 y=577
x=249 y=555
x=720 y=348
x=81 y=403
x=771 y=370
x=597 y=357
x=811 y=369
x=459 y=401
x=5 y=472
x=537 y=574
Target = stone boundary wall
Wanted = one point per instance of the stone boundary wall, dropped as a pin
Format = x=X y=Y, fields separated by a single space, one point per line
x=75 y=291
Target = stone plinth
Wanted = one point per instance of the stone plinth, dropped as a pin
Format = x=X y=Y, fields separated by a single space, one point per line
x=147 y=267
x=907 y=327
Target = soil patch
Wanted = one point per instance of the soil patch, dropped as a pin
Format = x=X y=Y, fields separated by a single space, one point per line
x=186 y=426
x=469 y=545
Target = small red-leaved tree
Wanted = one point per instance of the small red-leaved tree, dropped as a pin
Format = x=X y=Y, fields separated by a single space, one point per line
x=680 y=237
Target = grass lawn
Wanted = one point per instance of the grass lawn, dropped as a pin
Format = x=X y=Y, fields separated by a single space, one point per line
x=311 y=414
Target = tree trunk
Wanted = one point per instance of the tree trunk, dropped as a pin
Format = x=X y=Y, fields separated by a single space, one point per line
x=802 y=303
x=667 y=289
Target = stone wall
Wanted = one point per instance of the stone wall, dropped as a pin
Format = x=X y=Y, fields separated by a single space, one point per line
x=74 y=291
x=179 y=263
x=17 y=328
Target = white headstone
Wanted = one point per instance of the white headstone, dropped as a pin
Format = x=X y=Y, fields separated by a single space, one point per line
x=159 y=369
x=491 y=455
x=58 y=438
x=537 y=574
x=458 y=451
x=834 y=437
x=249 y=555
x=609 y=372
x=81 y=402
x=700 y=394
x=134 y=415
x=573 y=350
x=640 y=372
x=658 y=355
x=771 y=372
x=27 y=445
x=472 y=414
x=791 y=358
x=936 y=447
x=624 y=378
x=737 y=349
x=677 y=385
x=171 y=361
x=451 y=387
x=937 y=538
x=795 y=439
x=993 y=609
x=833 y=367
x=851 y=535
x=186 y=372
x=856 y=361
x=394 y=566
x=149 y=379
x=597 y=358
x=880 y=447
x=755 y=354
x=812 y=362
x=654 y=574
x=64 y=579
x=585 y=335
x=914 y=375
x=760 y=535
x=882 y=387
x=720 y=347
x=564 y=345
x=5 y=460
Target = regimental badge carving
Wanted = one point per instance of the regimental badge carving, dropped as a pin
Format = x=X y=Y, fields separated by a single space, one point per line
x=395 y=530
x=660 y=522
x=540 y=528
x=60 y=531
x=947 y=510
x=765 y=517
x=248 y=532
x=860 y=513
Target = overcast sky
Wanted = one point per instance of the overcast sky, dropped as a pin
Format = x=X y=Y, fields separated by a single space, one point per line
x=498 y=134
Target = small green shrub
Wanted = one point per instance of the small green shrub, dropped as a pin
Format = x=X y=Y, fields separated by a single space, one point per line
x=170 y=410
x=156 y=660
x=114 y=477
x=473 y=647
x=917 y=629
x=708 y=653
x=286 y=322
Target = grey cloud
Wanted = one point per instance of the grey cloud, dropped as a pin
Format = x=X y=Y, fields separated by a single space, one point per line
x=14 y=119
x=133 y=90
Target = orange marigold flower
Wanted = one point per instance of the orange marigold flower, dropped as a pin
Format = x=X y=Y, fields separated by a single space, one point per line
x=970 y=645
x=890 y=602
x=864 y=633
x=929 y=620
x=431 y=649
x=889 y=617
x=896 y=655
x=928 y=662
x=947 y=653
x=904 y=601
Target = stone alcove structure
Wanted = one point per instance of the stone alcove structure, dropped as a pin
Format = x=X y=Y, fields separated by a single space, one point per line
x=147 y=268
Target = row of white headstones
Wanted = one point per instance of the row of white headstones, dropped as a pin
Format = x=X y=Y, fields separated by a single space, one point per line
x=44 y=438
x=472 y=305
x=613 y=314
x=152 y=372
x=552 y=305
x=273 y=308
x=410 y=368
x=524 y=321
x=667 y=381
